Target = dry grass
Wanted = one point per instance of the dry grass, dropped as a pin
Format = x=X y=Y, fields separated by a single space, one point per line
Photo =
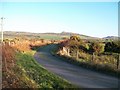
x=8 y=62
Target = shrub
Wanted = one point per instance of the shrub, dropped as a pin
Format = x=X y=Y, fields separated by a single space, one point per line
x=97 y=48
x=113 y=46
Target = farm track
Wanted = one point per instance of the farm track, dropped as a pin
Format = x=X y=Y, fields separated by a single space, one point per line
x=79 y=76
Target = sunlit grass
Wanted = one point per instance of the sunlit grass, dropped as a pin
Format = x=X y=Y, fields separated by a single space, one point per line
x=37 y=76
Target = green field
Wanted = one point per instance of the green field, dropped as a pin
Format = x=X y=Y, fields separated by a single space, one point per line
x=51 y=37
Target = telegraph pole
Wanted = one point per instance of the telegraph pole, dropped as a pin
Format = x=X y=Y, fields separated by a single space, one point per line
x=1 y=29
x=2 y=18
x=1 y=51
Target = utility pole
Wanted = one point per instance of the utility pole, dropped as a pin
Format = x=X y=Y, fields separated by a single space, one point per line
x=2 y=18
x=1 y=52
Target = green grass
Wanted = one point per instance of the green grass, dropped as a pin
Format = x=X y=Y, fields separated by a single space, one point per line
x=51 y=37
x=33 y=75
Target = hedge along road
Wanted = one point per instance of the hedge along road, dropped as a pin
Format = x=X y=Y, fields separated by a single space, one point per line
x=77 y=75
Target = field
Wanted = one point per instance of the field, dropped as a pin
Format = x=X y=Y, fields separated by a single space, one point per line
x=49 y=36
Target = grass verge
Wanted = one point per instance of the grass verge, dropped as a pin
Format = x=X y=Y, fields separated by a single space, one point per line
x=33 y=75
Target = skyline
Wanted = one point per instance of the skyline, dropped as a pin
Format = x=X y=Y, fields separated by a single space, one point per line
x=98 y=19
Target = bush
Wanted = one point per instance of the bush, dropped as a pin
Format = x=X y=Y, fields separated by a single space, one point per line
x=97 y=47
x=113 y=46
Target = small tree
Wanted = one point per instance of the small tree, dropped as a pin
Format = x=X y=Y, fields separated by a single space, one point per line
x=75 y=38
x=75 y=43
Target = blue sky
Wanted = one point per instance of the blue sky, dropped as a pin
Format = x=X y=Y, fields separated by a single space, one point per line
x=98 y=19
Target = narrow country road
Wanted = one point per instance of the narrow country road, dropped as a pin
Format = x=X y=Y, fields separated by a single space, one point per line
x=76 y=75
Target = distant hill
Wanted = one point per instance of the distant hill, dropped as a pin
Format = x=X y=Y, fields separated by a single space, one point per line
x=111 y=37
x=53 y=36
x=81 y=35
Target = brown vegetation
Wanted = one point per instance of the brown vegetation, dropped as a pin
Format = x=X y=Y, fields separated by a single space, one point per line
x=9 y=79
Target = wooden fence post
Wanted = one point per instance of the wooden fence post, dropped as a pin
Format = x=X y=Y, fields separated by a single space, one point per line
x=118 y=61
x=77 y=54
x=93 y=56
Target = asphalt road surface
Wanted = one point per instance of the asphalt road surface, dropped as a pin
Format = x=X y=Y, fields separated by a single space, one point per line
x=77 y=75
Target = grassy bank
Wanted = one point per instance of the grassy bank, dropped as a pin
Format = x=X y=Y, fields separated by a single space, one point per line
x=20 y=70
x=34 y=75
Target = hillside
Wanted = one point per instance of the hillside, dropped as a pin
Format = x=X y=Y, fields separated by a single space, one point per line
x=52 y=36
x=111 y=37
